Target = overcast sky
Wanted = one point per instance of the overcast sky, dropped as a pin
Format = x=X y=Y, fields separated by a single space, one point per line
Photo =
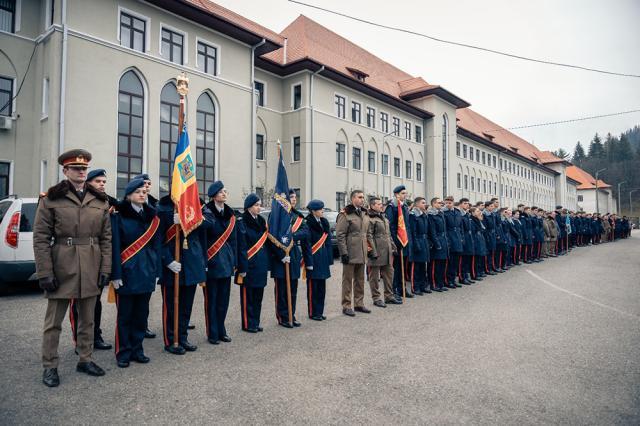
x=598 y=34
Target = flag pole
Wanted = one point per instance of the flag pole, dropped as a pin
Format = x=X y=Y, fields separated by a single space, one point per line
x=287 y=273
x=402 y=270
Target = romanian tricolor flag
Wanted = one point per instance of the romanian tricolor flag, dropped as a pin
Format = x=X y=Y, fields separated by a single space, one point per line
x=184 y=189
x=402 y=227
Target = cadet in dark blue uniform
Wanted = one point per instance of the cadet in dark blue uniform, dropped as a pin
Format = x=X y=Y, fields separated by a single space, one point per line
x=562 y=235
x=517 y=232
x=479 y=240
x=502 y=240
x=322 y=252
x=490 y=223
x=191 y=270
x=392 y=213
x=299 y=252
x=526 y=233
x=467 y=260
x=254 y=248
x=136 y=269
x=223 y=257
x=419 y=253
x=440 y=250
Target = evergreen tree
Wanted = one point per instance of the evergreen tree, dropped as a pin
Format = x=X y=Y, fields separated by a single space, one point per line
x=610 y=147
x=561 y=153
x=578 y=154
x=623 y=150
x=596 y=149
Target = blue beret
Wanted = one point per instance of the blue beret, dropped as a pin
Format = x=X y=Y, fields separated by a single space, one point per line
x=143 y=176
x=250 y=200
x=133 y=185
x=214 y=188
x=95 y=173
x=315 y=205
x=398 y=189
x=292 y=192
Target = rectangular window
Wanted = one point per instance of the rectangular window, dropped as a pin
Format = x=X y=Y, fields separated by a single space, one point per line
x=340 y=106
x=484 y=158
x=477 y=155
x=466 y=182
x=408 y=167
x=45 y=97
x=419 y=172
x=5 y=169
x=371 y=117
x=464 y=150
x=259 y=147
x=340 y=199
x=340 y=155
x=419 y=134
x=580 y=198
x=471 y=153
x=473 y=184
x=396 y=126
x=458 y=148
x=356 y=159
x=494 y=161
x=396 y=166
x=371 y=160
x=459 y=180
x=356 y=112
x=207 y=58
x=385 y=164
x=407 y=130
x=6 y=96
x=8 y=16
x=384 y=122
x=296 y=148
x=258 y=87
x=172 y=46
x=484 y=186
x=297 y=96
x=495 y=187
x=478 y=183
x=132 y=32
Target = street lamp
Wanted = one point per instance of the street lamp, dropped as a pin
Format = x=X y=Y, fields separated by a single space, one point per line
x=597 y=198
x=619 y=205
x=631 y=205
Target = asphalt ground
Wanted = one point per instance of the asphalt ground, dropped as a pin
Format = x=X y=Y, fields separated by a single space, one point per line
x=549 y=343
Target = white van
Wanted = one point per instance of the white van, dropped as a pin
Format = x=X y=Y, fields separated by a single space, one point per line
x=17 y=216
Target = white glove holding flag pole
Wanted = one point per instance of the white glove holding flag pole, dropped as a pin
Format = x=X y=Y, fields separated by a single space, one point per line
x=286 y=259
x=176 y=218
x=310 y=268
x=175 y=267
x=117 y=284
x=243 y=274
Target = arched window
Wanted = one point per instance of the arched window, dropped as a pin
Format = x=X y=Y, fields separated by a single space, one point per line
x=205 y=142
x=169 y=111
x=445 y=153
x=130 y=129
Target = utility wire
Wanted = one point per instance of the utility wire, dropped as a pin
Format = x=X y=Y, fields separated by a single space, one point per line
x=572 y=120
x=469 y=46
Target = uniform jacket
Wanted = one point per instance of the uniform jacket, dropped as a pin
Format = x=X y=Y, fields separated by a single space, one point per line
x=419 y=229
x=250 y=231
x=526 y=231
x=539 y=229
x=193 y=259
x=379 y=239
x=467 y=234
x=351 y=232
x=323 y=257
x=506 y=226
x=61 y=215
x=518 y=229
x=562 y=225
x=300 y=251
x=391 y=212
x=501 y=237
x=453 y=220
x=139 y=273
x=229 y=257
x=438 y=234
x=478 y=230
x=490 y=232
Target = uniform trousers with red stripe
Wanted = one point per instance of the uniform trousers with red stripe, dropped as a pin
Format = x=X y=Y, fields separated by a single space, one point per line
x=316 y=291
x=438 y=273
x=418 y=276
x=452 y=268
x=216 y=305
x=250 y=306
x=131 y=324
x=466 y=265
x=185 y=305
x=280 y=290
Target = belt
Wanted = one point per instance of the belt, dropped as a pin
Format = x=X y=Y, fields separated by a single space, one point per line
x=78 y=241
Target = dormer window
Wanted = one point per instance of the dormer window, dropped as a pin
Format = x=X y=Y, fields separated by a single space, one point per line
x=357 y=74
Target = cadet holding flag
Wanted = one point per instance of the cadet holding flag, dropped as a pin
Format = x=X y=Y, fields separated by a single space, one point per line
x=398 y=215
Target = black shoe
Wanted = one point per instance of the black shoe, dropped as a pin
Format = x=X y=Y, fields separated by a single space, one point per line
x=491 y=273
x=349 y=312
x=213 y=341
x=91 y=368
x=140 y=358
x=419 y=293
x=191 y=327
x=316 y=318
x=323 y=317
x=122 y=363
x=296 y=323
x=451 y=286
x=363 y=309
x=226 y=339
x=408 y=295
x=379 y=304
x=176 y=350
x=101 y=345
x=50 y=377
x=188 y=346
x=260 y=329
x=148 y=334
x=478 y=278
x=392 y=302
x=250 y=330
x=285 y=324
x=458 y=285
x=444 y=289
x=426 y=291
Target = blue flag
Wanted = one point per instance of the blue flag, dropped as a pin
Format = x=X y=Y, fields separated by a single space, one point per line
x=280 y=217
x=568 y=224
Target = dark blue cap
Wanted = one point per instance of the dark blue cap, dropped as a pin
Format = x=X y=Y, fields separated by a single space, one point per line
x=95 y=173
x=315 y=205
x=250 y=200
x=292 y=192
x=143 y=176
x=214 y=188
x=133 y=185
x=398 y=189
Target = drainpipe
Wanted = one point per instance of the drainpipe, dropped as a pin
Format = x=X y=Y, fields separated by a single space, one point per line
x=311 y=180
x=252 y=137
x=63 y=82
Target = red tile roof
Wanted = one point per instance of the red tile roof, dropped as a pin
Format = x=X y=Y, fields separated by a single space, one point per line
x=585 y=179
x=548 y=157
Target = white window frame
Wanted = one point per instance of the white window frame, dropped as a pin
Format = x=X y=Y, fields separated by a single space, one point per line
x=393 y=118
x=292 y=86
x=44 y=171
x=415 y=127
x=346 y=102
x=353 y=148
x=374 y=116
x=264 y=84
x=210 y=44
x=44 y=112
x=421 y=172
x=147 y=27
x=185 y=44
x=346 y=151
x=292 y=149
x=351 y=111
x=388 y=165
x=14 y=99
x=47 y=15
x=11 y=172
x=380 y=119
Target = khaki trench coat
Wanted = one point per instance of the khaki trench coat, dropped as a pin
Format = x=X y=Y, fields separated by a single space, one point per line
x=351 y=233
x=379 y=240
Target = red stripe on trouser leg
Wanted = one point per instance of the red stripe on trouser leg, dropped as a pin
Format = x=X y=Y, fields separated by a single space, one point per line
x=310 y=296
x=486 y=264
x=473 y=266
x=164 y=316
x=460 y=269
x=413 y=284
x=500 y=259
x=117 y=339
x=433 y=274
x=276 y=294
x=206 y=311
x=446 y=272
x=245 y=320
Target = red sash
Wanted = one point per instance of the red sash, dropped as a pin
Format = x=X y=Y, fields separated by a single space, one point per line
x=139 y=244
x=296 y=224
x=171 y=232
x=258 y=245
x=215 y=247
x=318 y=245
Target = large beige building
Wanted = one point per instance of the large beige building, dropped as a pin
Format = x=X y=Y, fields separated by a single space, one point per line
x=99 y=74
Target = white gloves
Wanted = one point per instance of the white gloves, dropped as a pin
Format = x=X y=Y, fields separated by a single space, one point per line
x=176 y=218
x=117 y=284
x=243 y=274
x=286 y=259
x=157 y=279
x=175 y=267
x=310 y=268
